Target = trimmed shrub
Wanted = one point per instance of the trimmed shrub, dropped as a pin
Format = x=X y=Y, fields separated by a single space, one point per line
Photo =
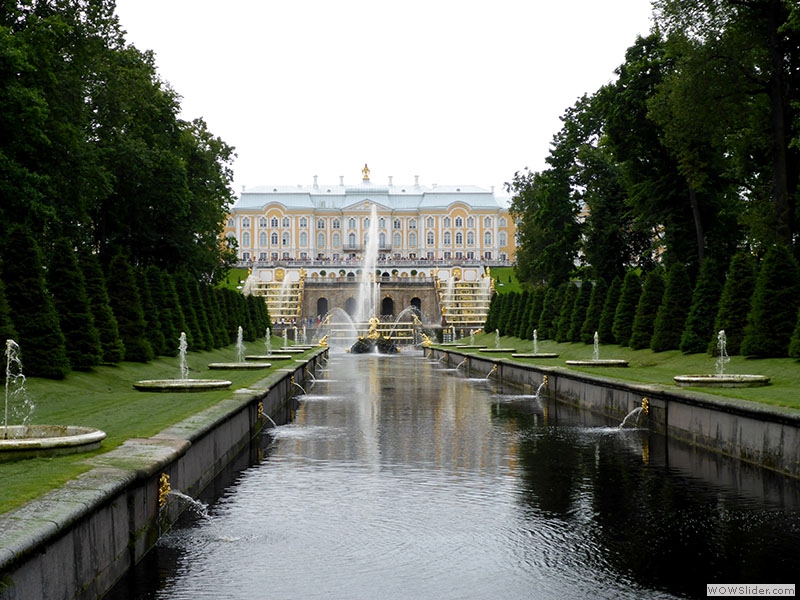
x=549 y=307
x=565 y=314
x=647 y=309
x=605 y=328
x=33 y=313
x=534 y=311
x=594 y=312
x=626 y=308
x=734 y=303
x=579 y=311
x=126 y=303
x=773 y=309
x=154 y=329
x=705 y=302
x=112 y=349
x=672 y=313
x=66 y=283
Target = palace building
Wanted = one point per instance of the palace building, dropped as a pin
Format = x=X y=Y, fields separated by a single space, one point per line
x=330 y=222
x=307 y=248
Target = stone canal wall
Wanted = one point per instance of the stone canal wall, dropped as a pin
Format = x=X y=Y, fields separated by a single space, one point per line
x=767 y=436
x=78 y=540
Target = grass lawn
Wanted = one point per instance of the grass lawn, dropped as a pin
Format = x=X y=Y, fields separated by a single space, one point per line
x=646 y=366
x=105 y=398
x=505 y=280
x=234 y=279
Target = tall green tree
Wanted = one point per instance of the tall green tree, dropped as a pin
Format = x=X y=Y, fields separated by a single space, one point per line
x=647 y=309
x=126 y=303
x=671 y=316
x=705 y=302
x=734 y=303
x=625 y=313
x=594 y=312
x=605 y=329
x=112 y=349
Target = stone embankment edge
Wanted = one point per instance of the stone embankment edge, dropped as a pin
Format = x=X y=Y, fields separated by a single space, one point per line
x=78 y=540
x=767 y=436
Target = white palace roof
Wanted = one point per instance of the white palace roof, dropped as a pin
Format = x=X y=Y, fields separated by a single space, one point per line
x=339 y=197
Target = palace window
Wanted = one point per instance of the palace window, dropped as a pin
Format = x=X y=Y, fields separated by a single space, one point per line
x=381 y=223
x=430 y=238
x=502 y=240
x=246 y=239
x=274 y=239
x=351 y=240
x=285 y=239
x=262 y=256
x=262 y=222
x=320 y=223
x=470 y=238
x=246 y=222
x=336 y=240
x=396 y=240
x=412 y=240
x=459 y=238
x=245 y=256
x=470 y=222
x=412 y=223
x=351 y=223
x=303 y=239
x=273 y=222
x=459 y=222
x=287 y=222
x=366 y=222
x=447 y=238
x=336 y=224
x=446 y=222
x=262 y=239
x=397 y=224
x=429 y=222
x=487 y=221
x=503 y=222
x=320 y=240
x=303 y=223
x=487 y=238
x=382 y=240
x=231 y=222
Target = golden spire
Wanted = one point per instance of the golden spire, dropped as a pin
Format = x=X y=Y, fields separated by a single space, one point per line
x=365 y=172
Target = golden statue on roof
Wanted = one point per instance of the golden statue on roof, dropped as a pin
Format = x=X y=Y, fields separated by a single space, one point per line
x=365 y=172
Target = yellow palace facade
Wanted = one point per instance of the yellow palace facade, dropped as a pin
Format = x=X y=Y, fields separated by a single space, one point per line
x=329 y=223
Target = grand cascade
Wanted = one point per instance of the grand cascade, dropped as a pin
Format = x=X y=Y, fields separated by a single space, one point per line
x=395 y=253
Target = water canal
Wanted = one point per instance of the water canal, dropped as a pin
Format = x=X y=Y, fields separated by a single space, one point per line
x=401 y=479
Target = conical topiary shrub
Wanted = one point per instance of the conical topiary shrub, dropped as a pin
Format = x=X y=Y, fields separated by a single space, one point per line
x=626 y=308
x=565 y=316
x=579 y=311
x=647 y=309
x=123 y=294
x=594 y=312
x=66 y=283
x=671 y=317
x=112 y=350
x=705 y=302
x=605 y=328
x=734 y=303
x=33 y=313
x=773 y=309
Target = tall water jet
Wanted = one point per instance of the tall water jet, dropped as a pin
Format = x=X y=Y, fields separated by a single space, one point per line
x=368 y=285
x=722 y=353
x=596 y=361
x=596 y=349
x=26 y=441
x=240 y=344
x=721 y=379
x=268 y=342
x=183 y=346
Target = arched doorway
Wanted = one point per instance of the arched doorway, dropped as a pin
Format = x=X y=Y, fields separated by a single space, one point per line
x=417 y=304
x=350 y=306
x=322 y=307
x=387 y=307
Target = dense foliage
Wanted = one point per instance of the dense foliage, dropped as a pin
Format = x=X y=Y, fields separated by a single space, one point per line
x=112 y=206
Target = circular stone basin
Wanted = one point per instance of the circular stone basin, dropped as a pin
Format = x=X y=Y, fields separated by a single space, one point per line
x=732 y=380
x=181 y=385
x=268 y=357
x=536 y=355
x=240 y=365
x=26 y=441
x=608 y=362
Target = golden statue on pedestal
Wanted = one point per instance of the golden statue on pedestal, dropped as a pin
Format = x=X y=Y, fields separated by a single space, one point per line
x=373 y=328
x=365 y=172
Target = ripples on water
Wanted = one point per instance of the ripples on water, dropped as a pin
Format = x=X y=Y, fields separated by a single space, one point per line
x=400 y=480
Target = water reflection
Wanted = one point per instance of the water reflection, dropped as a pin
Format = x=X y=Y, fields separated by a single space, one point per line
x=400 y=480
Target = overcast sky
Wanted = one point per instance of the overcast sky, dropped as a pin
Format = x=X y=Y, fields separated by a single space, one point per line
x=457 y=92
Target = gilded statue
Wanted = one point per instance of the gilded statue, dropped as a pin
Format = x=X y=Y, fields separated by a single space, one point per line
x=365 y=172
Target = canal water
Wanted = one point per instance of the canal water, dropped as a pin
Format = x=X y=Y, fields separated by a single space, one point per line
x=399 y=478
